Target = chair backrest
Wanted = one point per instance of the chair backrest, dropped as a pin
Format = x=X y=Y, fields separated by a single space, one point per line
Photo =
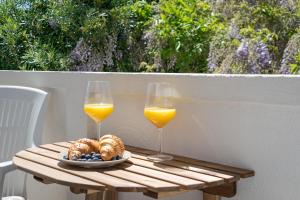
x=22 y=111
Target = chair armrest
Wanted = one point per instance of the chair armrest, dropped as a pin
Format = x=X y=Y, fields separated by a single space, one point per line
x=7 y=166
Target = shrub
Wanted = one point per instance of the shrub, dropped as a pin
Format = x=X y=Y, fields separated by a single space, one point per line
x=255 y=38
x=183 y=32
x=232 y=36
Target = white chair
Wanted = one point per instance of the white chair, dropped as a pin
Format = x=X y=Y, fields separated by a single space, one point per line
x=22 y=111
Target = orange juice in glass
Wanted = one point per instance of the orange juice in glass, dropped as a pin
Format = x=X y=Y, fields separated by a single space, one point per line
x=98 y=103
x=98 y=112
x=159 y=116
x=160 y=110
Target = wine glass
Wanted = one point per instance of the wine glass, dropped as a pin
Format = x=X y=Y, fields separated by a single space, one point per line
x=160 y=110
x=98 y=104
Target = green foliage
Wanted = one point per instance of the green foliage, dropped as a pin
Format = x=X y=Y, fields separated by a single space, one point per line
x=37 y=35
x=260 y=30
x=43 y=58
x=295 y=67
x=150 y=35
x=184 y=31
x=12 y=35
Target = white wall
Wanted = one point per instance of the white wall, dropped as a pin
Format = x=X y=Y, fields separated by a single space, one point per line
x=245 y=121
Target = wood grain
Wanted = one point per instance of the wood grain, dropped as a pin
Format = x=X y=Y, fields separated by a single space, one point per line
x=110 y=195
x=53 y=147
x=158 y=195
x=138 y=174
x=55 y=176
x=226 y=190
x=209 y=180
x=207 y=196
x=105 y=195
x=110 y=182
x=193 y=176
x=95 y=196
x=220 y=170
x=243 y=173
x=229 y=177
x=155 y=184
x=185 y=183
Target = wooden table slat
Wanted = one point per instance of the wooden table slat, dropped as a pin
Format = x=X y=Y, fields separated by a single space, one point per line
x=138 y=174
x=54 y=147
x=56 y=176
x=111 y=183
x=243 y=173
x=64 y=144
x=194 y=168
x=205 y=175
x=186 y=183
x=209 y=180
x=198 y=165
x=156 y=184
x=156 y=170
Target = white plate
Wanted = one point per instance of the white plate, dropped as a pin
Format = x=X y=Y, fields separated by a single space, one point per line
x=94 y=164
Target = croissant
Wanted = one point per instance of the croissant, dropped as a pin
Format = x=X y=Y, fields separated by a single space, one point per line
x=83 y=146
x=110 y=146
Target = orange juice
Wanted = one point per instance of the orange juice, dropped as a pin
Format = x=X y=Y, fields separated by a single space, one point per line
x=98 y=112
x=159 y=116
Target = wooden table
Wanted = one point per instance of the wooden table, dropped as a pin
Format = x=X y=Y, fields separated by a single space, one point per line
x=136 y=175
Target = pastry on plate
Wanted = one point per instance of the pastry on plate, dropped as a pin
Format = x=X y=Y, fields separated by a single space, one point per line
x=108 y=146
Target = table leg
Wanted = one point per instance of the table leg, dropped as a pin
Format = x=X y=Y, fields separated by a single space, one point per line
x=105 y=195
x=110 y=195
x=94 y=196
x=207 y=196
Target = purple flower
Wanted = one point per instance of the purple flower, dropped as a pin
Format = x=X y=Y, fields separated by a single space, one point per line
x=234 y=31
x=253 y=68
x=212 y=57
x=243 y=50
x=262 y=54
x=211 y=66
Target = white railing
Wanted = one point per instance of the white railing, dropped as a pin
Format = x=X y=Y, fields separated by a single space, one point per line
x=241 y=120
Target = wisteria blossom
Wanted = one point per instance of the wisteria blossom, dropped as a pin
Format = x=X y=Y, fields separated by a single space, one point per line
x=289 y=54
x=243 y=50
x=263 y=54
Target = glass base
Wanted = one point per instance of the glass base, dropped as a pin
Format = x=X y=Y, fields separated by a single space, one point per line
x=159 y=157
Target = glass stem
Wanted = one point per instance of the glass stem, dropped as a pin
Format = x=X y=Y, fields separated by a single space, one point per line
x=160 y=131
x=99 y=130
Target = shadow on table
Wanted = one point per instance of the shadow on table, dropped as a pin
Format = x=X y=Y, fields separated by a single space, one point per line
x=80 y=169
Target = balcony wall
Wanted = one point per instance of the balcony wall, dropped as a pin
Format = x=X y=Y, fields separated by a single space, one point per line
x=245 y=121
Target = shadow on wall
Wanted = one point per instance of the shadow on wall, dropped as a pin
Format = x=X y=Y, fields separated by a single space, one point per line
x=55 y=120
